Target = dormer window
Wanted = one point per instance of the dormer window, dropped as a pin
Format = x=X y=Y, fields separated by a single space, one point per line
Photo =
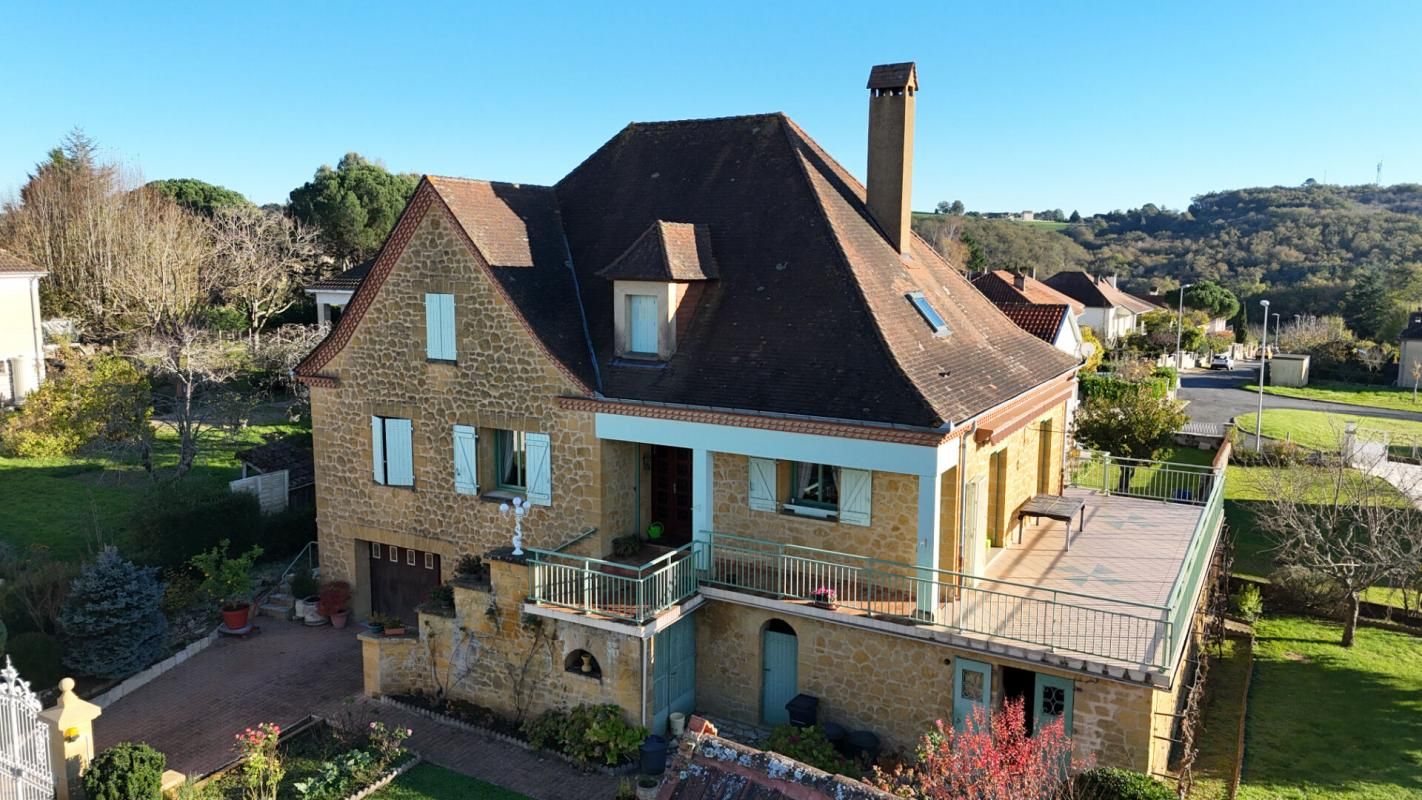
x=656 y=283
x=929 y=313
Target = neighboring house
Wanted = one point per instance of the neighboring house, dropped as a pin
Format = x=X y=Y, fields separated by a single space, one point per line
x=21 y=334
x=332 y=294
x=1212 y=326
x=1053 y=324
x=281 y=473
x=709 y=333
x=1409 y=350
x=1008 y=288
x=1110 y=312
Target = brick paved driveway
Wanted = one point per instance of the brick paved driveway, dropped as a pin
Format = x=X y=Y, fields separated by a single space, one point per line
x=280 y=675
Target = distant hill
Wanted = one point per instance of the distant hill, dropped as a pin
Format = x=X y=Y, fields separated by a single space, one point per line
x=1303 y=247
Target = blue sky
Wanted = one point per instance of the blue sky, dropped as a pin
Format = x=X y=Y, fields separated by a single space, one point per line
x=1080 y=105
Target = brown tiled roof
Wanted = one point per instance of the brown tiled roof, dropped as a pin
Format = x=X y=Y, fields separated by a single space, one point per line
x=1041 y=320
x=893 y=76
x=9 y=262
x=347 y=281
x=1095 y=292
x=809 y=314
x=711 y=768
x=1149 y=303
x=667 y=251
x=297 y=460
x=1000 y=286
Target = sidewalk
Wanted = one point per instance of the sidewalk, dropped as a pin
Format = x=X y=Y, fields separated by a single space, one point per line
x=479 y=756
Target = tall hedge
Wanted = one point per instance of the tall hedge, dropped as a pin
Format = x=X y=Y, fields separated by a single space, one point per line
x=112 y=623
x=1113 y=388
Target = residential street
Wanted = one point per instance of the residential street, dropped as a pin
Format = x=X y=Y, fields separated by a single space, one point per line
x=1215 y=396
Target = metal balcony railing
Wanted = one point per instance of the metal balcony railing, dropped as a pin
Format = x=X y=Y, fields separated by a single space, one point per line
x=632 y=593
x=1136 y=477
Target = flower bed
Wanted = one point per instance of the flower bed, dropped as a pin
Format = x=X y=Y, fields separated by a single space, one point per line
x=613 y=750
x=316 y=762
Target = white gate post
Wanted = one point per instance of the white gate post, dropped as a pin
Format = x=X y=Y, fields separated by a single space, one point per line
x=71 y=738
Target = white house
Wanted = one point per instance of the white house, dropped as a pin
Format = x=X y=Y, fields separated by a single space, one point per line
x=21 y=338
x=1110 y=312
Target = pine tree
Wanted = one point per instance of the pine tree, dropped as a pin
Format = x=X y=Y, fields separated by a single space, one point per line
x=112 y=623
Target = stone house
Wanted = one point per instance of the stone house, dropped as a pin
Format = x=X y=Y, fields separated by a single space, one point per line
x=772 y=446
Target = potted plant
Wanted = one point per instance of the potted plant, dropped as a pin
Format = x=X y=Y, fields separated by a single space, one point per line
x=229 y=582
x=304 y=588
x=824 y=597
x=389 y=625
x=647 y=787
x=335 y=603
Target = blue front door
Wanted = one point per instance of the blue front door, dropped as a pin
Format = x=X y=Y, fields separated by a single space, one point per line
x=779 y=679
x=972 y=690
x=1051 y=701
x=673 y=672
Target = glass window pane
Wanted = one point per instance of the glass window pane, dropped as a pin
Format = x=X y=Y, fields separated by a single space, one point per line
x=816 y=485
x=512 y=465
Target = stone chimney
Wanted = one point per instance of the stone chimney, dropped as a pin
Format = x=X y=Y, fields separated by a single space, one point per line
x=1019 y=280
x=892 y=90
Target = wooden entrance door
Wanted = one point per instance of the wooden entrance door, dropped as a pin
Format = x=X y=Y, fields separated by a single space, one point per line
x=674 y=672
x=780 y=680
x=671 y=493
x=401 y=579
x=972 y=690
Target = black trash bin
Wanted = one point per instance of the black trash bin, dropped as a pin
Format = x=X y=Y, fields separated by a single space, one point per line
x=804 y=710
x=834 y=733
x=654 y=755
x=863 y=745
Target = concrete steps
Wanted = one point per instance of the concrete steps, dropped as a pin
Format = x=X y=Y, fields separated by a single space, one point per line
x=278 y=605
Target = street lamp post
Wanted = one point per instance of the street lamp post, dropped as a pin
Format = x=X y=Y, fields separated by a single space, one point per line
x=518 y=509
x=1263 y=362
x=1180 y=330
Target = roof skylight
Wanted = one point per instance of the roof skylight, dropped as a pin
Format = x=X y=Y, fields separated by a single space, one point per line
x=929 y=313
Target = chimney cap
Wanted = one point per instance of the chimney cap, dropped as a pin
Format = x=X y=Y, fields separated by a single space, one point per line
x=903 y=75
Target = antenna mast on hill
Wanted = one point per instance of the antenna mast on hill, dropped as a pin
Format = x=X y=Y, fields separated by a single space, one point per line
x=1379 y=178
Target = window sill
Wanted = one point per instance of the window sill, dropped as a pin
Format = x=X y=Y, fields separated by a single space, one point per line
x=810 y=512
x=409 y=488
x=501 y=496
x=647 y=361
x=447 y=361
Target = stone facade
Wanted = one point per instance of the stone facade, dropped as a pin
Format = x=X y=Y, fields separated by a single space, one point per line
x=491 y=653
x=503 y=379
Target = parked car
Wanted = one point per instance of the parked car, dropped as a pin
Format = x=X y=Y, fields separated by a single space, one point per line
x=1222 y=361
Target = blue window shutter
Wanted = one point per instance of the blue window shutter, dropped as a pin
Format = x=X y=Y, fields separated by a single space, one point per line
x=433 y=336
x=377 y=447
x=446 y=326
x=466 y=449
x=855 y=490
x=540 y=469
x=642 y=324
x=762 y=484
x=399 y=453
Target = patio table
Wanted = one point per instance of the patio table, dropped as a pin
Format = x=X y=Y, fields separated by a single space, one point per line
x=1053 y=507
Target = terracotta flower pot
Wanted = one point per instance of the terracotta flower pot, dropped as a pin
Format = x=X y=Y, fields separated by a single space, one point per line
x=400 y=631
x=339 y=618
x=236 y=619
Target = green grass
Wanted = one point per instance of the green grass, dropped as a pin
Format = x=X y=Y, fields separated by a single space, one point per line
x=1218 y=738
x=428 y=782
x=1354 y=394
x=1321 y=430
x=65 y=503
x=1326 y=722
x=1043 y=224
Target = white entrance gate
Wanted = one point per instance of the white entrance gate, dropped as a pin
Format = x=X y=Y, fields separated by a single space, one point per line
x=25 y=771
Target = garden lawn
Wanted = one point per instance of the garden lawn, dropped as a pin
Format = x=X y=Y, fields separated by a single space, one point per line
x=1320 y=430
x=1325 y=722
x=68 y=504
x=1218 y=738
x=428 y=782
x=1353 y=394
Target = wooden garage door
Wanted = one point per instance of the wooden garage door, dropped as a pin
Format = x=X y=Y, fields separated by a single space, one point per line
x=401 y=579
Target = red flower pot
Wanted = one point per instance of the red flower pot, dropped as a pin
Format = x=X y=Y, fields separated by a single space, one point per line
x=236 y=619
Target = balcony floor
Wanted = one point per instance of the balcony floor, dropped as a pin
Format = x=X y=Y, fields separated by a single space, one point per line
x=1132 y=548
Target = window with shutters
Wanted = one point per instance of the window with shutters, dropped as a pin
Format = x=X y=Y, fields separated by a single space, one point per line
x=392 y=451
x=815 y=485
x=466 y=459
x=439 y=327
x=511 y=460
x=642 y=325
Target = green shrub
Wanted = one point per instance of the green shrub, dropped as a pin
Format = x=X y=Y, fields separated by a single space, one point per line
x=304 y=584
x=1110 y=783
x=36 y=657
x=809 y=745
x=283 y=534
x=588 y=734
x=126 y=771
x=442 y=596
x=624 y=546
x=173 y=524
x=181 y=590
x=101 y=399
x=112 y=621
x=228 y=319
x=1111 y=387
x=1303 y=590
x=1248 y=603
x=1169 y=374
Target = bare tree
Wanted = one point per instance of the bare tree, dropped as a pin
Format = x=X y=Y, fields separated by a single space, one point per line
x=1416 y=377
x=260 y=261
x=278 y=354
x=195 y=403
x=1346 y=524
x=1374 y=358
